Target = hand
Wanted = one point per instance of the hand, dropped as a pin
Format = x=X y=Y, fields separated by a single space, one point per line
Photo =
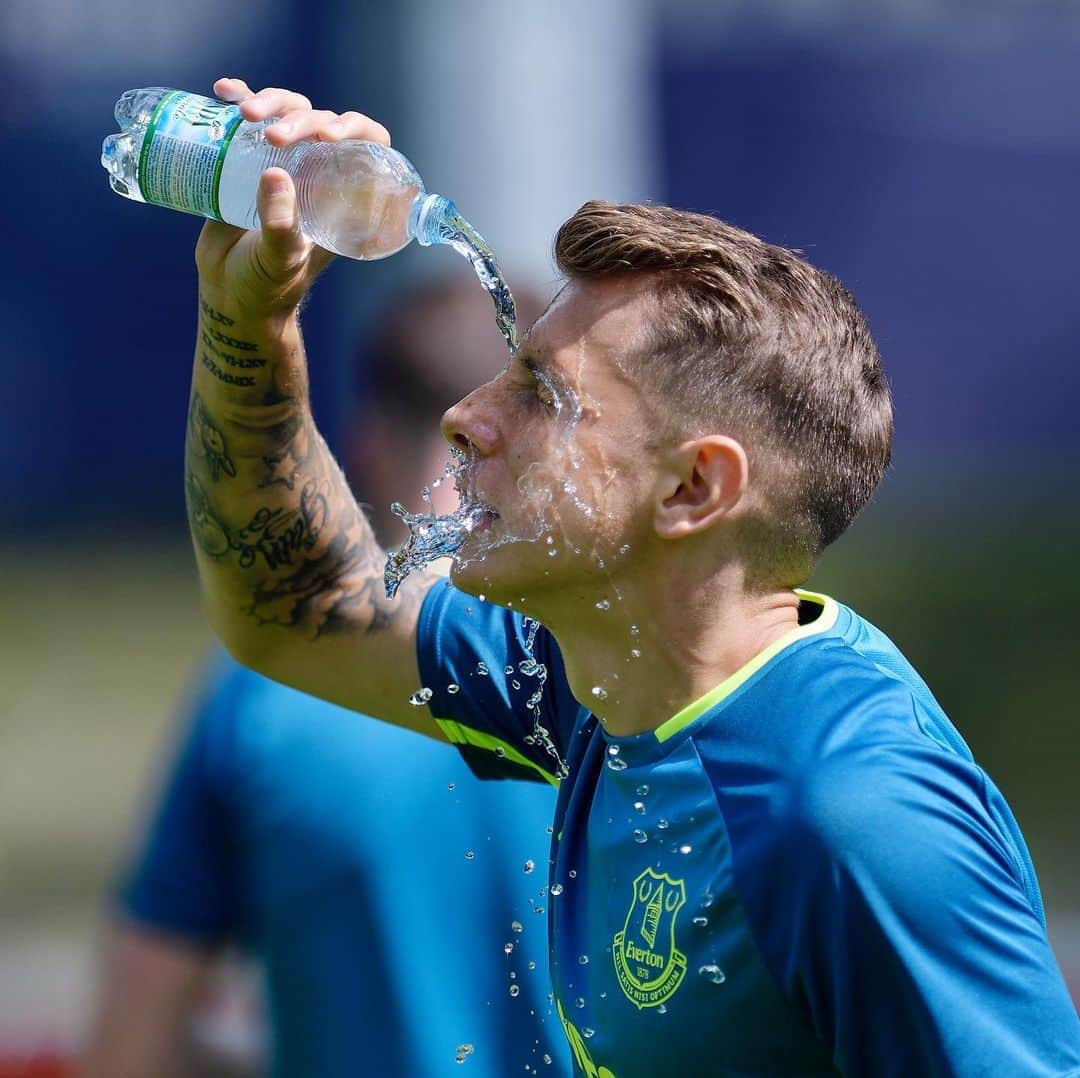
x=267 y=272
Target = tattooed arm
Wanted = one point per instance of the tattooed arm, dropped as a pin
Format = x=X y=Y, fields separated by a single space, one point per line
x=291 y=572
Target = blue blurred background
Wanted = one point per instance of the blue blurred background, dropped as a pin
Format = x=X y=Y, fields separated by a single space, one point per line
x=926 y=151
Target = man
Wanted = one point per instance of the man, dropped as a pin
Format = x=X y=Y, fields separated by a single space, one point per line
x=376 y=879
x=772 y=853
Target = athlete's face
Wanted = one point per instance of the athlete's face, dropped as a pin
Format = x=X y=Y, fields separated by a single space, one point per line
x=558 y=448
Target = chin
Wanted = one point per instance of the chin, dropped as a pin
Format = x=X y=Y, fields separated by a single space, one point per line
x=502 y=575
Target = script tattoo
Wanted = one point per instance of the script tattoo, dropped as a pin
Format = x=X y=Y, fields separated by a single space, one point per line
x=277 y=535
x=205 y=439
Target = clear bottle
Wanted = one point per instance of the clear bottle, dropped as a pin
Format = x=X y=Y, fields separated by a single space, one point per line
x=195 y=154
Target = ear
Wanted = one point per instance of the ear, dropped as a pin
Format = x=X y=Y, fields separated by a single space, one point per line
x=702 y=482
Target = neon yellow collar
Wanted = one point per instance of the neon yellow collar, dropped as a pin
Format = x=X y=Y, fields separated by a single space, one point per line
x=823 y=622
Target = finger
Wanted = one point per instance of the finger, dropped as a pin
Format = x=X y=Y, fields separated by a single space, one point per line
x=273 y=101
x=298 y=125
x=232 y=90
x=282 y=240
x=354 y=125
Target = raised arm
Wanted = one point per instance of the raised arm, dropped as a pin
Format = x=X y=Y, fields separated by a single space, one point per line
x=291 y=572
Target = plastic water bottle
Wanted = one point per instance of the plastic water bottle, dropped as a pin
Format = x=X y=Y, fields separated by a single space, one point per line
x=198 y=155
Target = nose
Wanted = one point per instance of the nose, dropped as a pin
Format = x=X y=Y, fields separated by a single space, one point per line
x=468 y=425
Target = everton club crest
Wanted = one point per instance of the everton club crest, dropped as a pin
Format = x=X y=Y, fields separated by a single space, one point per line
x=647 y=963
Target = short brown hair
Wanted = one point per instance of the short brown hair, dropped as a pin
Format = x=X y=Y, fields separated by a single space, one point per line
x=749 y=336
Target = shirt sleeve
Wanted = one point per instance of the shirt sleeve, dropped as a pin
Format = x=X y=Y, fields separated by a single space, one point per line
x=183 y=877
x=913 y=945
x=507 y=706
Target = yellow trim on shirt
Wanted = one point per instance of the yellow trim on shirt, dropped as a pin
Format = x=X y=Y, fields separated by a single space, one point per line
x=823 y=622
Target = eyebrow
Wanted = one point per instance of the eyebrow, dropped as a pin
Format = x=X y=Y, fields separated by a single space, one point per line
x=533 y=363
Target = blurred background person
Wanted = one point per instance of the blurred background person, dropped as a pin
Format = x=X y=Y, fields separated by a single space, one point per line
x=384 y=888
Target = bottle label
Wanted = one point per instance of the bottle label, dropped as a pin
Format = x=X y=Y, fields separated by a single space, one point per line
x=183 y=152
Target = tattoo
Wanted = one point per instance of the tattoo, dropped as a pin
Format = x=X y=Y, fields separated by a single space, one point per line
x=206 y=529
x=278 y=534
x=232 y=342
x=224 y=376
x=215 y=316
x=243 y=362
x=282 y=468
x=205 y=438
x=339 y=589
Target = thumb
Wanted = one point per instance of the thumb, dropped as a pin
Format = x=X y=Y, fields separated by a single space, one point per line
x=282 y=240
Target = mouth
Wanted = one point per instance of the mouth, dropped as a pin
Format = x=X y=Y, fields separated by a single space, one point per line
x=476 y=516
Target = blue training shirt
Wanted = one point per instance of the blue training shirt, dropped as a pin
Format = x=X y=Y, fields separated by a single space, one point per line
x=335 y=846
x=802 y=873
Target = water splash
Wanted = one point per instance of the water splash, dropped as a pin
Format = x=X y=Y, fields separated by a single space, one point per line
x=430 y=537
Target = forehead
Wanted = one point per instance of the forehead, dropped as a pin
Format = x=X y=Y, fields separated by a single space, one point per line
x=591 y=320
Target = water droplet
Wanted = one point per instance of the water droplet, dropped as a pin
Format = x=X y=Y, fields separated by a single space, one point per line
x=579 y=1002
x=514 y=990
x=532 y=965
x=556 y=890
x=583 y=960
x=463 y=1052
x=599 y=692
x=640 y=837
x=469 y=855
x=553 y=552
x=539 y=909
x=604 y=604
x=700 y=921
x=586 y=1032
x=642 y=790
x=529 y=866
x=515 y=683
x=420 y=697
x=449 y=785
x=662 y=824
x=481 y=669
x=508 y=671
x=661 y=1009
x=508 y=949
x=712 y=972
x=516 y=926
x=639 y=807
x=685 y=848
x=635 y=653
x=499 y=751
x=625 y=548
x=707 y=900
x=453 y=689
x=572 y=873
x=547 y=1058
x=482 y=597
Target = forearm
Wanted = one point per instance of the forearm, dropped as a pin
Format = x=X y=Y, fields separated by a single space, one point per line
x=279 y=539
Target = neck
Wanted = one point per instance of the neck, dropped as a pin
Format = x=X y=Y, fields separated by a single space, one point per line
x=652 y=651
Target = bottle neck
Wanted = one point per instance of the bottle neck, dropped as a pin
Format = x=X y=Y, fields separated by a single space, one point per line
x=429 y=219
